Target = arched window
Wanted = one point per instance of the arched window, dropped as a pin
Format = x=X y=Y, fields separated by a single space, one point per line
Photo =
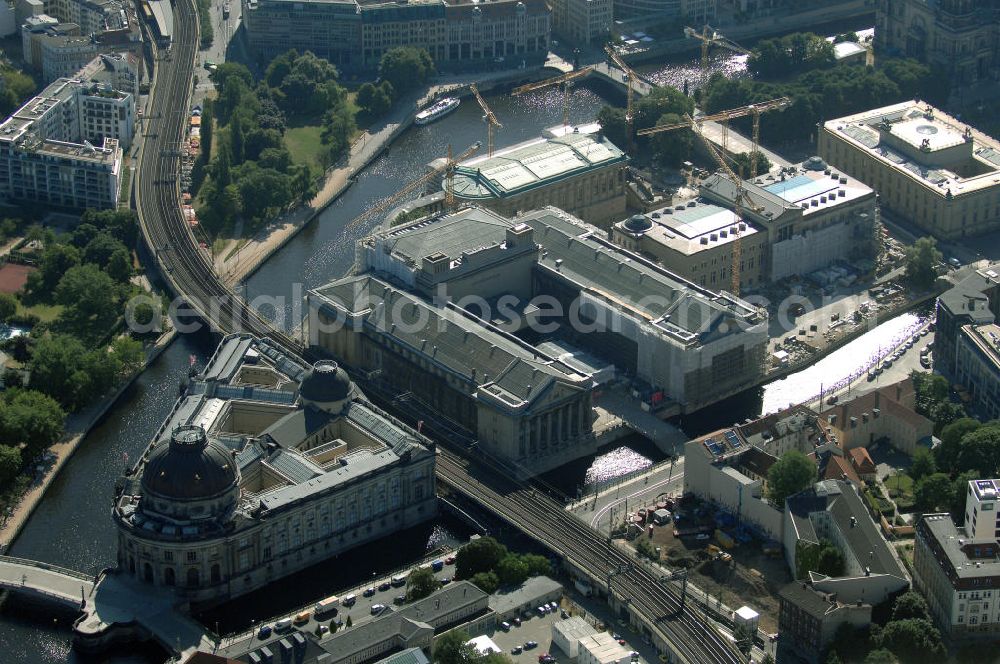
x=131 y=565
x=147 y=572
x=193 y=581
x=216 y=574
x=168 y=576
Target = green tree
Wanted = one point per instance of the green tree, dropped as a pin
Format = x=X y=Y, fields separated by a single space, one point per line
x=406 y=67
x=922 y=258
x=959 y=486
x=934 y=492
x=348 y=623
x=10 y=464
x=537 y=565
x=912 y=640
x=337 y=131
x=8 y=306
x=663 y=100
x=99 y=250
x=488 y=582
x=910 y=604
x=480 y=555
x=951 y=438
x=792 y=473
x=980 y=451
x=833 y=658
x=31 y=418
x=56 y=261
x=880 y=656
x=119 y=266
x=54 y=365
x=613 y=124
x=930 y=390
x=830 y=561
x=923 y=464
x=672 y=147
x=280 y=67
x=207 y=127
x=90 y=300
x=512 y=570
x=742 y=163
x=128 y=354
x=420 y=583
x=453 y=648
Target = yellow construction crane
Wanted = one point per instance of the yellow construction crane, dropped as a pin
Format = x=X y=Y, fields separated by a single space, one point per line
x=741 y=201
x=566 y=80
x=632 y=77
x=709 y=36
x=723 y=118
x=490 y=119
x=448 y=168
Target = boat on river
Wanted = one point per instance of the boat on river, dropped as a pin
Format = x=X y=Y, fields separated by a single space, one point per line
x=437 y=110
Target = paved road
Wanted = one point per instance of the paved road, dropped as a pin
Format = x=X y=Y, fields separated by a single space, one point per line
x=613 y=503
x=360 y=613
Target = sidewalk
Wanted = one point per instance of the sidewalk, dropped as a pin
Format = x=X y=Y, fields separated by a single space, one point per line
x=77 y=427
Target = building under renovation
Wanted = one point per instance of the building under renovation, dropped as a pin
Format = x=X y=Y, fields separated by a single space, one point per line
x=800 y=220
x=456 y=308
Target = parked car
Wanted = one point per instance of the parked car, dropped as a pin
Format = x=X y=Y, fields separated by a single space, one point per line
x=516 y=650
x=385 y=585
x=283 y=625
x=450 y=560
x=368 y=592
x=516 y=621
x=445 y=580
x=349 y=600
x=505 y=626
x=377 y=609
x=399 y=599
x=301 y=618
x=528 y=645
x=701 y=537
x=437 y=565
x=264 y=632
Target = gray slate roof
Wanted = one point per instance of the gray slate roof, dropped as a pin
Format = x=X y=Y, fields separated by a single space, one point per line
x=478 y=353
x=679 y=308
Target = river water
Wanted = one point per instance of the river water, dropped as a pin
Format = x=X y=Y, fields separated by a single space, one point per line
x=72 y=525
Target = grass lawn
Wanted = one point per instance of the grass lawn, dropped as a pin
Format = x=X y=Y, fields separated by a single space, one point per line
x=45 y=312
x=305 y=145
x=902 y=483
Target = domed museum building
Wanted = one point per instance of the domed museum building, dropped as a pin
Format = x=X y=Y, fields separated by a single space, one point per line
x=264 y=468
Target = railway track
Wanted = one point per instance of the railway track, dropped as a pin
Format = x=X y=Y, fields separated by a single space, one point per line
x=182 y=262
x=543 y=519
x=190 y=274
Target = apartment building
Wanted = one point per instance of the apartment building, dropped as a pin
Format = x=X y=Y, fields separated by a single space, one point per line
x=958 y=569
x=65 y=146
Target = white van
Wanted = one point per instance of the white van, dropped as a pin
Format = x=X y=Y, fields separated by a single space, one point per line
x=283 y=625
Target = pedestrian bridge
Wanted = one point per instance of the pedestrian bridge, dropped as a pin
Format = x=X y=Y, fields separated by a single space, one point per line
x=45 y=581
